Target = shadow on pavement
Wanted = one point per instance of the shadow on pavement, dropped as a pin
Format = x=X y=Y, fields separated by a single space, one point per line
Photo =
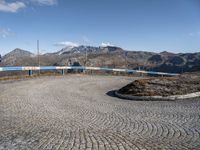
x=111 y=93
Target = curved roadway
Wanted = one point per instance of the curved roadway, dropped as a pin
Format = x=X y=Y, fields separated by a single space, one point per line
x=74 y=112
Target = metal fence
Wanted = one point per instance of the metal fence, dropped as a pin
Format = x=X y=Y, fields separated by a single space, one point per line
x=30 y=69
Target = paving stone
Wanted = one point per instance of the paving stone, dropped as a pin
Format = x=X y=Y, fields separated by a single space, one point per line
x=74 y=112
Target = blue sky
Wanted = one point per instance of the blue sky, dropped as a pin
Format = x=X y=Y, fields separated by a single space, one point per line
x=151 y=25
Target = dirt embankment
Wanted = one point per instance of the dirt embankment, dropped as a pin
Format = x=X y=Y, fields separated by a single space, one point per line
x=163 y=86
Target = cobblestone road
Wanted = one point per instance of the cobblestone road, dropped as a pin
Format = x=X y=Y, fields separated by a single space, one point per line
x=74 y=112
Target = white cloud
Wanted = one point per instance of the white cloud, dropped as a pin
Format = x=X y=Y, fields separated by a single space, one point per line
x=67 y=44
x=11 y=7
x=86 y=40
x=103 y=44
x=191 y=34
x=5 y=32
x=45 y=2
x=17 y=5
x=194 y=34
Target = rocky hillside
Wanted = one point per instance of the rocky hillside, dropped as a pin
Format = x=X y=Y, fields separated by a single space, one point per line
x=14 y=56
x=108 y=57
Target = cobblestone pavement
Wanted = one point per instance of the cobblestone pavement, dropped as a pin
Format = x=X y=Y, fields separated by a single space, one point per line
x=74 y=112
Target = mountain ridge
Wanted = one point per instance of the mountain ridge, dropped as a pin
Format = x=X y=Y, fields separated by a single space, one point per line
x=109 y=56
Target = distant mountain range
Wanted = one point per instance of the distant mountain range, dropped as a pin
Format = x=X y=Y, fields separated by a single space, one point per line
x=109 y=56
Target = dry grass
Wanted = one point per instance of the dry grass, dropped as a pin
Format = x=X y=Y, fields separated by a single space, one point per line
x=17 y=77
x=143 y=82
x=163 y=86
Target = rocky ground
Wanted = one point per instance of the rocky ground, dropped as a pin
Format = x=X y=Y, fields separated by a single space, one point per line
x=79 y=112
x=164 y=86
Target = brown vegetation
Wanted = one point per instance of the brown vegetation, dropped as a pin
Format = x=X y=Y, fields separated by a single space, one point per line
x=164 y=86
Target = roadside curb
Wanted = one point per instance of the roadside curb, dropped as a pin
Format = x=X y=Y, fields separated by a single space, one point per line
x=158 y=98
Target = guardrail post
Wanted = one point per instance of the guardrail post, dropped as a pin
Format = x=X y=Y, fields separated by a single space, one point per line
x=63 y=71
x=30 y=72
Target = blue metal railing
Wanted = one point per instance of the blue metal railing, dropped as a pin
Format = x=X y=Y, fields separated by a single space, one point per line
x=31 y=68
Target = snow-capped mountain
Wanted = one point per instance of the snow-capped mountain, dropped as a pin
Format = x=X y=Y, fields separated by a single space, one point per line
x=87 y=49
x=77 y=50
x=65 y=50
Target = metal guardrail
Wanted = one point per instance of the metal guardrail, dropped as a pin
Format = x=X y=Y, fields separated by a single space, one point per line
x=31 y=68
